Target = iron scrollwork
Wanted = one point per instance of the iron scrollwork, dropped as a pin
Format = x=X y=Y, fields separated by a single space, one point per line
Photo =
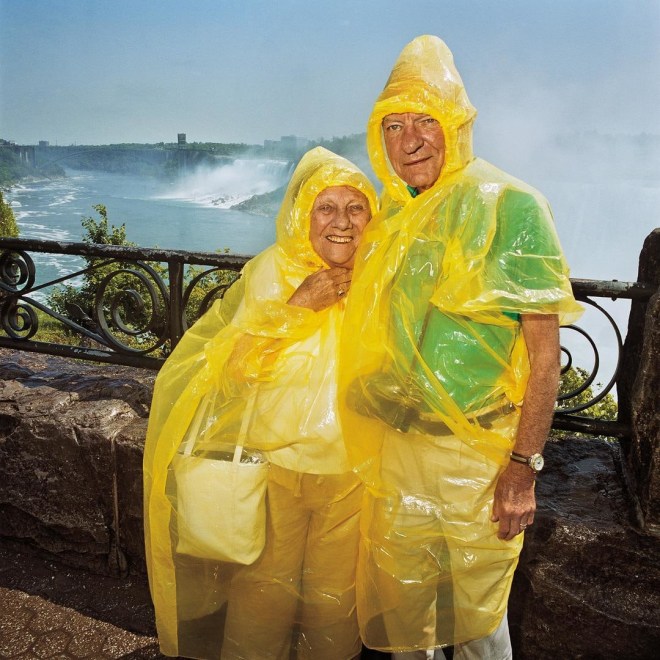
x=18 y=319
x=17 y=272
x=564 y=400
x=217 y=285
x=138 y=308
x=137 y=312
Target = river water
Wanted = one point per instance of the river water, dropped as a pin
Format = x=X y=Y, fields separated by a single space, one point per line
x=190 y=214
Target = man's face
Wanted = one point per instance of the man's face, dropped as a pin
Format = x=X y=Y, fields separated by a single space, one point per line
x=339 y=216
x=416 y=148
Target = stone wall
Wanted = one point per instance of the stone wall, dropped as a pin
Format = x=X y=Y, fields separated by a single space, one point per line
x=71 y=438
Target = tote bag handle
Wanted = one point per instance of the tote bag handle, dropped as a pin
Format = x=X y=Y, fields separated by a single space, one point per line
x=200 y=413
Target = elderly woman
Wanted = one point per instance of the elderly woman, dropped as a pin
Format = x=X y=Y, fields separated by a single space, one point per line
x=264 y=360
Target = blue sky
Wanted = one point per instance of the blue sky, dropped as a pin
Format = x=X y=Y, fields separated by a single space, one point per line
x=108 y=71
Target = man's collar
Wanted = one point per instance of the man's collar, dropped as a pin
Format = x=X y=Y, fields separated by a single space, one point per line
x=413 y=191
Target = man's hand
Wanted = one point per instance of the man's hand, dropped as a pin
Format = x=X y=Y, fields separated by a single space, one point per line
x=322 y=289
x=514 y=503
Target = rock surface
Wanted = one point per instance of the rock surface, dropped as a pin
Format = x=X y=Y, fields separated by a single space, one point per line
x=71 y=437
x=639 y=389
x=588 y=585
x=588 y=582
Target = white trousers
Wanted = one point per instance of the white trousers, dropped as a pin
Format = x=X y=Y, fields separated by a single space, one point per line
x=496 y=646
x=433 y=571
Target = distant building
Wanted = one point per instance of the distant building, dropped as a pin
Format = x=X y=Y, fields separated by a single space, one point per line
x=44 y=143
x=294 y=142
x=181 y=140
x=288 y=146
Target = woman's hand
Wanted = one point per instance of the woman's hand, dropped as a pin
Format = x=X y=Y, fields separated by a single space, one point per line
x=322 y=289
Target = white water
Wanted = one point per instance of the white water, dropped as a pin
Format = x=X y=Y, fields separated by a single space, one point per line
x=184 y=215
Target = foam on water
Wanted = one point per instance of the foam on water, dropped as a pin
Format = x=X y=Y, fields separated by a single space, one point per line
x=152 y=214
x=63 y=199
x=42 y=232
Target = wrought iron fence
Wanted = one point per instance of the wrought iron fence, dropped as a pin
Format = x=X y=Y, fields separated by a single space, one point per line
x=145 y=299
x=571 y=403
x=143 y=302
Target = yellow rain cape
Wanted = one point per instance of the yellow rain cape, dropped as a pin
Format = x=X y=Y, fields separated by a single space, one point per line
x=433 y=368
x=250 y=339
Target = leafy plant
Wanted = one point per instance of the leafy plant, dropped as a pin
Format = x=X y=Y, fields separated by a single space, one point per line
x=572 y=381
x=124 y=291
x=8 y=226
x=78 y=302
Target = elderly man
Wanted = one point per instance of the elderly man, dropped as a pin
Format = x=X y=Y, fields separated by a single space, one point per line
x=450 y=367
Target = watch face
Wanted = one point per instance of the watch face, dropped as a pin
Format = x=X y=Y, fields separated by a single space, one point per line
x=536 y=462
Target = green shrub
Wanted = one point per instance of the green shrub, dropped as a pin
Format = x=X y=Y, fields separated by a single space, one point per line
x=8 y=226
x=572 y=380
x=126 y=296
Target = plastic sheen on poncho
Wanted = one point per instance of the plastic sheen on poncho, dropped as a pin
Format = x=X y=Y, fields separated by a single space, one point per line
x=239 y=345
x=433 y=346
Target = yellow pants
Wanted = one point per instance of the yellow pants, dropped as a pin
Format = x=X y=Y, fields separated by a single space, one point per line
x=432 y=571
x=300 y=594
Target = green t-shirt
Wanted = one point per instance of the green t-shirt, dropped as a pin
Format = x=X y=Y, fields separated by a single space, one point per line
x=465 y=356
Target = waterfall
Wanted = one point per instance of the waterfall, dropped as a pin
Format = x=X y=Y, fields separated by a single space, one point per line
x=229 y=184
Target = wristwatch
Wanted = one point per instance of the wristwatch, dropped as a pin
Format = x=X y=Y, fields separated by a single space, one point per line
x=535 y=462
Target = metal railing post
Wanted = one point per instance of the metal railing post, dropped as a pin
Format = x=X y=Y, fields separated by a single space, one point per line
x=175 y=271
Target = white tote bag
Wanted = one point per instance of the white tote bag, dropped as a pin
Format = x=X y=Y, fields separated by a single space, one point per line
x=221 y=504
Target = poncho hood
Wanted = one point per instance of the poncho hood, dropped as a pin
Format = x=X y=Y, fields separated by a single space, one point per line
x=424 y=80
x=317 y=170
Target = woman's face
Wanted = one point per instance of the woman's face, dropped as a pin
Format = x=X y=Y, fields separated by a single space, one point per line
x=339 y=216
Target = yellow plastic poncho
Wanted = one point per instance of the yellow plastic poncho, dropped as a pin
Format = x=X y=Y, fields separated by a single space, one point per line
x=251 y=339
x=434 y=367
